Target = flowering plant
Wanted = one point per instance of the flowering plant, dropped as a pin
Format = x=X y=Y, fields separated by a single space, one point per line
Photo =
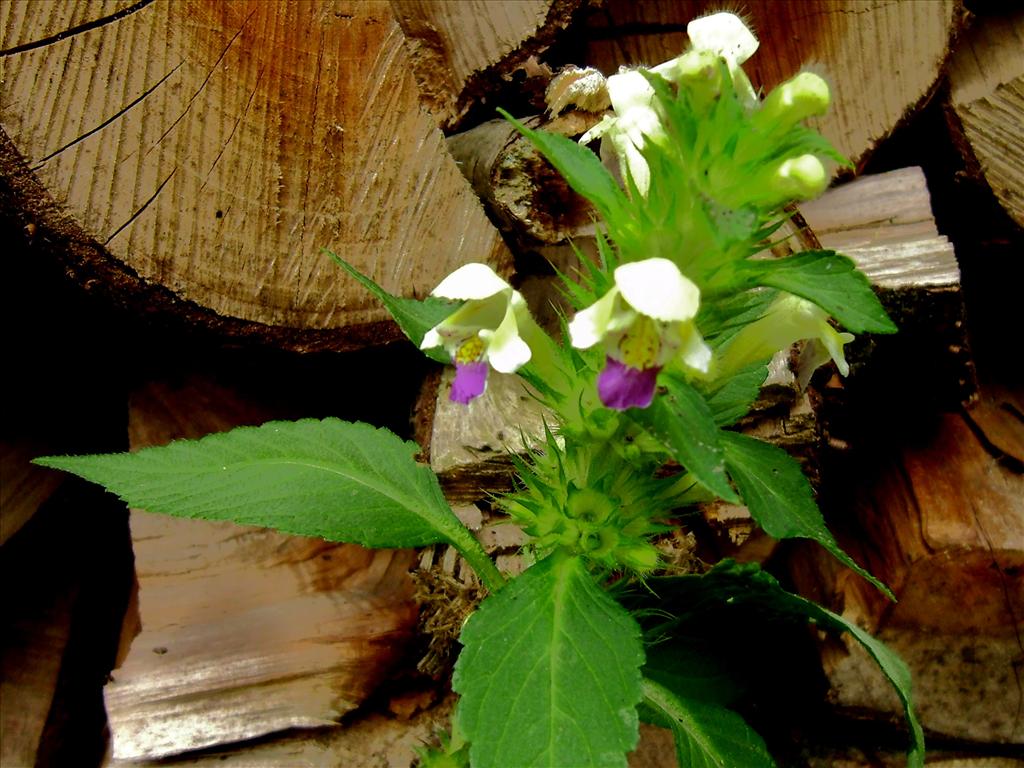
x=663 y=350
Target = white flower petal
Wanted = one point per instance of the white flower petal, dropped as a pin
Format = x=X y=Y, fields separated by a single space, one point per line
x=724 y=34
x=431 y=339
x=695 y=352
x=635 y=162
x=590 y=325
x=833 y=341
x=506 y=351
x=606 y=125
x=477 y=313
x=510 y=355
x=629 y=90
x=470 y=282
x=656 y=288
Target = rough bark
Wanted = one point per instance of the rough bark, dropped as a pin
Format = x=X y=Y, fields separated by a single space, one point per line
x=460 y=49
x=530 y=200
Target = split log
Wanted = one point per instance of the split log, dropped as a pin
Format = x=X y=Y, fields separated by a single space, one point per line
x=205 y=181
x=25 y=485
x=244 y=631
x=861 y=757
x=67 y=576
x=459 y=50
x=37 y=626
x=943 y=525
x=986 y=106
x=530 y=200
x=885 y=224
x=372 y=740
x=882 y=58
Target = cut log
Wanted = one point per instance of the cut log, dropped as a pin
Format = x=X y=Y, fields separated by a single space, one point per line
x=885 y=224
x=37 y=625
x=530 y=200
x=882 y=58
x=25 y=486
x=372 y=740
x=986 y=78
x=196 y=156
x=460 y=49
x=67 y=576
x=943 y=525
x=470 y=444
x=244 y=631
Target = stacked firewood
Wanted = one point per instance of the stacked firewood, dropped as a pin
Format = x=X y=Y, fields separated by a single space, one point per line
x=169 y=173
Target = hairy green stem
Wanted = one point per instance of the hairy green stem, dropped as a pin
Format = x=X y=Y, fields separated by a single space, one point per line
x=478 y=559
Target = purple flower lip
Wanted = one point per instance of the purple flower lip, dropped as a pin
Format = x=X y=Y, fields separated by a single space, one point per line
x=621 y=387
x=469 y=383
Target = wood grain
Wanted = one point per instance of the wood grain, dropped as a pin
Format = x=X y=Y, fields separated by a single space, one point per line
x=986 y=77
x=25 y=486
x=943 y=525
x=244 y=631
x=882 y=57
x=213 y=148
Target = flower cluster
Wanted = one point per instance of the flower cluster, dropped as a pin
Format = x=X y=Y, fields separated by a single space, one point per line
x=637 y=118
x=699 y=200
x=579 y=507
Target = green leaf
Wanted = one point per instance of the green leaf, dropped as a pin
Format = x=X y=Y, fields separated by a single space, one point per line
x=730 y=584
x=580 y=167
x=780 y=499
x=722 y=318
x=682 y=421
x=550 y=673
x=706 y=735
x=694 y=668
x=831 y=281
x=333 y=479
x=414 y=317
x=731 y=401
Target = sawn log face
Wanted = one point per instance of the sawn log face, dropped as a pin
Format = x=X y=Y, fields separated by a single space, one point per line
x=212 y=149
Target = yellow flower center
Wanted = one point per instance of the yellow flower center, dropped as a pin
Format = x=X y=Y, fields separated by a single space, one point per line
x=640 y=345
x=470 y=351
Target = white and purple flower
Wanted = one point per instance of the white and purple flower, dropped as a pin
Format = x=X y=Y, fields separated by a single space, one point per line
x=645 y=321
x=484 y=332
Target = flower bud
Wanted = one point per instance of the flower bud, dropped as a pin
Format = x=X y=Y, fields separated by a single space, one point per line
x=699 y=72
x=599 y=543
x=806 y=95
x=589 y=507
x=641 y=557
x=802 y=178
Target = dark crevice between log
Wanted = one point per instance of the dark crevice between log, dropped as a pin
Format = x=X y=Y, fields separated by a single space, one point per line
x=73 y=562
x=76 y=30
